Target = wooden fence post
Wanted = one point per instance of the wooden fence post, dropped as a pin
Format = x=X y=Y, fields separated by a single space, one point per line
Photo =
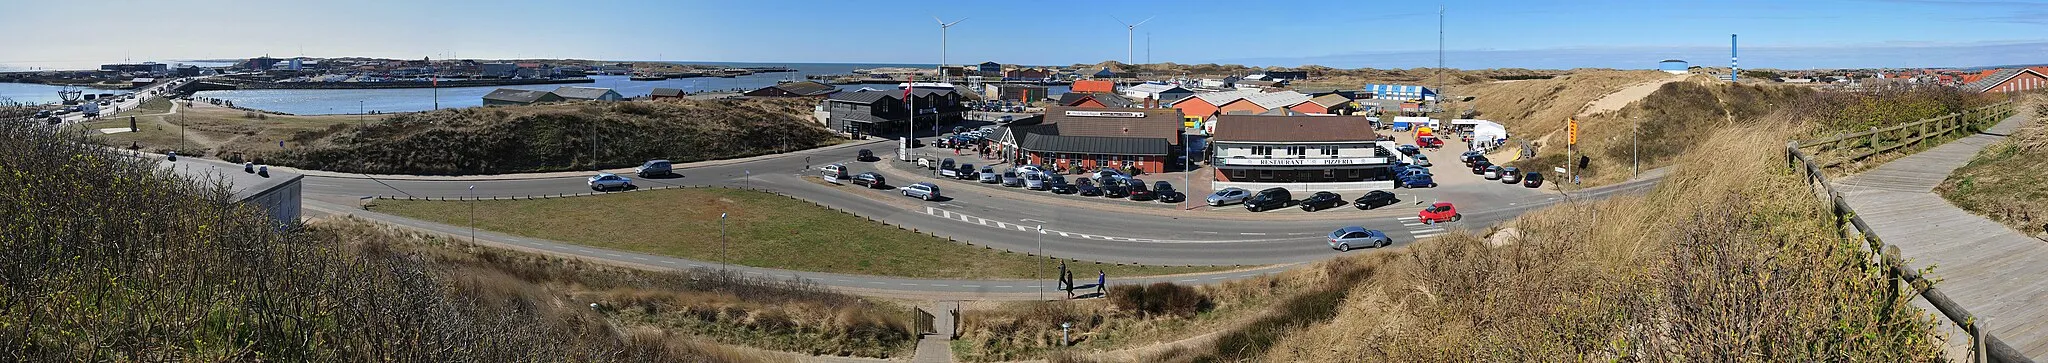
x=1873 y=137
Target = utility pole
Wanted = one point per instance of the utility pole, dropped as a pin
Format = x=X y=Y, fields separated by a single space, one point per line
x=723 y=254
x=359 y=114
x=1040 y=272
x=1635 y=148
x=472 y=214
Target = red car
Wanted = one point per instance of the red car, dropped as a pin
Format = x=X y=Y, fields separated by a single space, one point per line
x=1429 y=142
x=1440 y=212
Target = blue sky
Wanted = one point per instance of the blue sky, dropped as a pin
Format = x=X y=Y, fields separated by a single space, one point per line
x=1479 y=33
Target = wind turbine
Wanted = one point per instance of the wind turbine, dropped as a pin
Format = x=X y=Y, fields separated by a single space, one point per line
x=1130 y=38
x=944 y=26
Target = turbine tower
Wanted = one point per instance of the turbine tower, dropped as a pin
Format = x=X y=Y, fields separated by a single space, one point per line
x=1131 y=38
x=944 y=26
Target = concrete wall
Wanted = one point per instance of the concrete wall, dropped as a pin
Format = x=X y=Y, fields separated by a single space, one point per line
x=280 y=201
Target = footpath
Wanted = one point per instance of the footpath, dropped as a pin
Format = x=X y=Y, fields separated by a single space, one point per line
x=1995 y=272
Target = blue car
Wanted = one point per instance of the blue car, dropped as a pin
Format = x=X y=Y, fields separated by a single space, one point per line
x=1415 y=179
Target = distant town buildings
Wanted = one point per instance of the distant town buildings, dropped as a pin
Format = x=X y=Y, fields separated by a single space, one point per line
x=795 y=89
x=666 y=94
x=2009 y=80
x=519 y=97
x=574 y=93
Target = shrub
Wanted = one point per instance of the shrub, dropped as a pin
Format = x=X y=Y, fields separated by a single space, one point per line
x=1160 y=298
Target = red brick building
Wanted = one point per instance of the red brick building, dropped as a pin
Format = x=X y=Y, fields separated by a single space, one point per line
x=1095 y=100
x=2009 y=80
x=1094 y=86
x=1122 y=138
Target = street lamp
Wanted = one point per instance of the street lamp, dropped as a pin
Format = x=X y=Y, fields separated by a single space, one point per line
x=1040 y=272
x=722 y=255
x=472 y=214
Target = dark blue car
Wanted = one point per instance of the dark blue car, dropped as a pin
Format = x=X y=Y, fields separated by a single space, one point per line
x=1414 y=178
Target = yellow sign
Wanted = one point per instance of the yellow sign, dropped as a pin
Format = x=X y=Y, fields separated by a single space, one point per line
x=1573 y=131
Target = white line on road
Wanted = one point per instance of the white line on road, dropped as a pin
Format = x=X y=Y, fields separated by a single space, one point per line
x=1408 y=218
x=938 y=285
x=1411 y=224
x=1205 y=232
x=1422 y=236
x=1003 y=286
x=1427 y=230
x=1251 y=234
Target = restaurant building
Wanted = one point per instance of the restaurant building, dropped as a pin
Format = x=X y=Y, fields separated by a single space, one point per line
x=1121 y=138
x=1301 y=153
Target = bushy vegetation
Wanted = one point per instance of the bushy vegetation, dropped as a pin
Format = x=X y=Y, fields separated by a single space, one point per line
x=1730 y=259
x=111 y=259
x=504 y=139
x=2004 y=182
x=1159 y=298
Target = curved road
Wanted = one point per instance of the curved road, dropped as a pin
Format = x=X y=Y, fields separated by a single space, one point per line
x=1002 y=221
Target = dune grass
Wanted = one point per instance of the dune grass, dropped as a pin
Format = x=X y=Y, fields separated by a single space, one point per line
x=2004 y=182
x=764 y=230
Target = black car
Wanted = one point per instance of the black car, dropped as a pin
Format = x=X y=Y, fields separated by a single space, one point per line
x=1086 y=188
x=1321 y=200
x=946 y=164
x=866 y=155
x=1479 y=167
x=870 y=179
x=967 y=172
x=1113 y=189
x=1058 y=185
x=1375 y=199
x=1140 y=192
x=1268 y=199
x=1475 y=159
x=1533 y=180
x=1166 y=192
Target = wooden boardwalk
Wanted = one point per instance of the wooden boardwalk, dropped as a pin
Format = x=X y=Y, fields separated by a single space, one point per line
x=1998 y=274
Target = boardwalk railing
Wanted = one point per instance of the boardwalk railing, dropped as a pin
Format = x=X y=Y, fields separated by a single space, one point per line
x=1840 y=149
x=1984 y=347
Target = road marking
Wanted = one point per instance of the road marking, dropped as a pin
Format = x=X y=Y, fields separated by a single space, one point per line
x=1411 y=224
x=1422 y=236
x=875 y=282
x=906 y=284
x=1252 y=234
x=1003 y=286
x=1427 y=230
x=1408 y=218
x=1297 y=234
x=1205 y=232
x=641 y=258
x=973 y=286
x=938 y=285
x=951 y=215
x=613 y=255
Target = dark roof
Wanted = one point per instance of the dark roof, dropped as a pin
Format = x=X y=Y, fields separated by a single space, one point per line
x=668 y=92
x=807 y=88
x=868 y=97
x=1109 y=100
x=517 y=95
x=1094 y=144
x=1163 y=123
x=1255 y=128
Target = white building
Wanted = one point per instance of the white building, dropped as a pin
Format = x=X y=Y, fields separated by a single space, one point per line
x=1300 y=153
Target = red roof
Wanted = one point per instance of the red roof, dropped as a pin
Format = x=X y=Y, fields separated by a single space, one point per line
x=2042 y=70
x=1093 y=86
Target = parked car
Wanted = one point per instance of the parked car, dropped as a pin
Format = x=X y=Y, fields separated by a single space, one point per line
x=1375 y=199
x=1479 y=167
x=1320 y=201
x=1533 y=180
x=1492 y=172
x=1034 y=181
x=866 y=155
x=1114 y=189
x=1429 y=142
x=1510 y=175
x=1106 y=174
x=957 y=171
x=1475 y=159
x=871 y=180
x=1422 y=160
x=1010 y=179
x=1229 y=195
x=1414 y=178
x=1468 y=155
x=1030 y=169
x=989 y=176
x=1140 y=192
x=1409 y=149
x=1268 y=199
x=1440 y=212
x=925 y=191
x=1086 y=188
x=946 y=164
x=1058 y=185
x=834 y=171
x=1166 y=192
x=609 y=181
x=654 y=168
x=1343 y=239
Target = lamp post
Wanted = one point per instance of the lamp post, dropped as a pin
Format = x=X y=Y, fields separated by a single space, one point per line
x=359 y=114
x=1040 y=272
x=472 y=214
x=722 y=255
x=1635 y=149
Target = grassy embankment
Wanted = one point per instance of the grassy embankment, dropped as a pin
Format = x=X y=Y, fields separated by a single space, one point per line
x=500 y=139
x=198 y=128
x=2004 y=182
x=765 y=230
x=1729 y=258
x=112 y=260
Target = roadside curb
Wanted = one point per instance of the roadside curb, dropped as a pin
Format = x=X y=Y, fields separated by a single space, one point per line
x=564 y=174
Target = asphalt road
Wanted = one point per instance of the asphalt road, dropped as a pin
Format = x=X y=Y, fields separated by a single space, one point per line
x=1078 y=233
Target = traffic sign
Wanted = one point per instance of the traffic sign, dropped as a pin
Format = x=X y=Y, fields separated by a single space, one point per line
x=1573 y=131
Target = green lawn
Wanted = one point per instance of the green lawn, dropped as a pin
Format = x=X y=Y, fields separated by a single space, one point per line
x=765 y=230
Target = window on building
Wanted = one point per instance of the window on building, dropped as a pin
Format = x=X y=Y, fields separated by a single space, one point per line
x=1265 y=175
x=1236 y=174
x=1357 y=174
x=1329 y=150
x=1297 y=150
x=1329 y=173
x=1262 y=150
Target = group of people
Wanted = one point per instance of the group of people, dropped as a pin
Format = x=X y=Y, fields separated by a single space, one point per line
x=1067 y=281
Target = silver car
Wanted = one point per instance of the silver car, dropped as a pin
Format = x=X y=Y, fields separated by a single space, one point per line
x=1231 y=195
x=609 y=181
x=1343 y=239
x=925 y=191
x=1034 y=181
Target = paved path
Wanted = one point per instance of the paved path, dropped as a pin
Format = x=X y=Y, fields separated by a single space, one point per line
x=1995 y=272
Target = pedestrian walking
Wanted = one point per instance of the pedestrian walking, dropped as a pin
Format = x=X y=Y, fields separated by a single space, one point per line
x=1101 y=282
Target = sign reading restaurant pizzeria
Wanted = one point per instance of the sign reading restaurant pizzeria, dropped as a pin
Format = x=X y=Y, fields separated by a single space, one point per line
x=1304 y=162
x=1105 y=114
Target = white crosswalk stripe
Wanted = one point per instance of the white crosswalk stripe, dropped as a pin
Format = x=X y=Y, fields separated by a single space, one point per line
x=947 y=214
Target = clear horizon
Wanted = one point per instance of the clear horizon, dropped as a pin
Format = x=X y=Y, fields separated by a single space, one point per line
x=1479 y=34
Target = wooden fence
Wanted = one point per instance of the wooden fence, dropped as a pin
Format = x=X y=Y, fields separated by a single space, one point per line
x=1845 y=148
x=1984 y=347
